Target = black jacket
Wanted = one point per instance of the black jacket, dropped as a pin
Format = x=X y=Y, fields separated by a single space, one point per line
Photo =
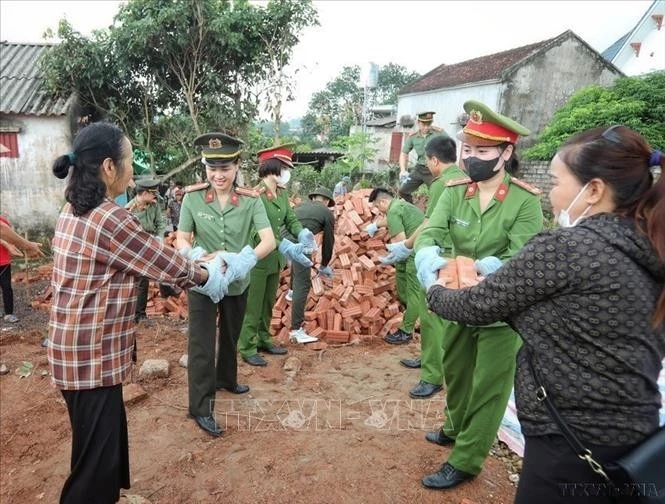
x=582 y=299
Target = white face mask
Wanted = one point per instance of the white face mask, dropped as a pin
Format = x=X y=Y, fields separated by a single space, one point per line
x=564 y=217
x=284 y=177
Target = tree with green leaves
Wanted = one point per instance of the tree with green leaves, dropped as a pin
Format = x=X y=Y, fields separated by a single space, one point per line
x=168 y=71
x=636 y=102
x=333 y=110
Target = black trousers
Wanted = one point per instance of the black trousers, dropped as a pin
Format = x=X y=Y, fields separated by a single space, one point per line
x=418 y=176
x=100 y=448
x=141 y=295
x=209 y=322
x=553 y=474
x=301 y=283
x=6 y=287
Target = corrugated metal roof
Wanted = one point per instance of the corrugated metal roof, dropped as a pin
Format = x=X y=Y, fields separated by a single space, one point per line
x=612 y=50
x=21 y=89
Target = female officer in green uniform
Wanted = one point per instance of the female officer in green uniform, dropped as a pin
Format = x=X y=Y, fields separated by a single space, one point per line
x=488 y=216
x=217 y=216
x=275 y=171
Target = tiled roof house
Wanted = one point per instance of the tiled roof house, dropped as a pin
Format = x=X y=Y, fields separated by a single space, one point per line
x=528 y=83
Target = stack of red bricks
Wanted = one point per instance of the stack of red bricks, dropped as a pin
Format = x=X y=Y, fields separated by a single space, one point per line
x=360 y=301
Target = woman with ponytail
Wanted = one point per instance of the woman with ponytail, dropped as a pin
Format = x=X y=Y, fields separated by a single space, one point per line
x=588 y=300
x=99 y=251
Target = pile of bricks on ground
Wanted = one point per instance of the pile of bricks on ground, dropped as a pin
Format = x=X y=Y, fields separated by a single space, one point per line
x=360 y=301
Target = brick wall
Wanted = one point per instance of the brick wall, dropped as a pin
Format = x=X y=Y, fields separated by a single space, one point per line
x=538 y=174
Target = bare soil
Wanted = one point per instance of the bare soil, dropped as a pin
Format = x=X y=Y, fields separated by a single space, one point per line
x=343 y=429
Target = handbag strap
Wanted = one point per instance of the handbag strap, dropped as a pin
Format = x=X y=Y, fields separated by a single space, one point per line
x=580 y=450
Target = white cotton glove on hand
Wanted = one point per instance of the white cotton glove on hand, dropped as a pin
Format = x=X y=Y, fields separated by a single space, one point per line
x=428 y=263
x=397 y=252
x=238 y=265
x=295 y=252
x=371 y=229
x=488 y=265
x=326 y=271
x=217 y=285
x=193 y=254
x=404 y=178
x=306 y=237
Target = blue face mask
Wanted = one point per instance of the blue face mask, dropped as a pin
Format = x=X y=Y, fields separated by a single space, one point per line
x=563 y=218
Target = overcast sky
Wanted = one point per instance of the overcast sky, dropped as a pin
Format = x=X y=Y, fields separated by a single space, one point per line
x=419 y=35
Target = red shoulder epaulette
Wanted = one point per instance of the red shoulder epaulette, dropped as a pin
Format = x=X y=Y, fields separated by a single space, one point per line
x=248 y=191
x=196 y=187
x=458 y=181
x=526 y=186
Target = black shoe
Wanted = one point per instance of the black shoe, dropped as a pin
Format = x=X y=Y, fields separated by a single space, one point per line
x=255 y=360
x=399 y=337
x=410 y=363
x=438 y=437
x=274 y=350
x=140 y=318
x=236 y=389
x=446 y=477
x=424 y=389
x=208 y=424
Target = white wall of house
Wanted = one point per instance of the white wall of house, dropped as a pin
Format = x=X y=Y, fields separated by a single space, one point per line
x=448 y=103
x=652 y=51
x=30 y=195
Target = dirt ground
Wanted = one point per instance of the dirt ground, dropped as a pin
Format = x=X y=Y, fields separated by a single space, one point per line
x=342 y=430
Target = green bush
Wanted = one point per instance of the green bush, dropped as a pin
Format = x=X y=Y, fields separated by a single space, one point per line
x=636 y=102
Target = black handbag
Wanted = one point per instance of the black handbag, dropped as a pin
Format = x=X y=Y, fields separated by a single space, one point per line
x=636 y=478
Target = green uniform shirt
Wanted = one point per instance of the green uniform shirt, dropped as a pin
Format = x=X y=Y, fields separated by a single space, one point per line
x=151 y=217
x=229 y=229
x=417 y=141
x=512 y=217
x=439 y=184
x=280 y=214
x=404 y=217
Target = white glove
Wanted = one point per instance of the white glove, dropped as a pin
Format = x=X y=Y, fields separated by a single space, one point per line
x=193 y=254
x=295 y=252
x=371 y=229
x=428 y=263
x=217 y=286
x=398 y=252
x=488 y=265
x=239 y=265
x=306 y=237
x=404 y=178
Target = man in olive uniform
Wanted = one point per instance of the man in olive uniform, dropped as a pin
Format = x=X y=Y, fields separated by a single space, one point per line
x=403 y=219
x=316 y=216
x=487 y=216
x=146 y=207
x=416 y=140
x=217 y=216
x=441 y=156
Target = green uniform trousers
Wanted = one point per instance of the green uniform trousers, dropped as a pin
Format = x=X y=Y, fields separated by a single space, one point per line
x=208 y=322
x=255 y=331
x=408 y=292
x=432 y=328
x=479 y=370
x=418 y=176
x=301 y=283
